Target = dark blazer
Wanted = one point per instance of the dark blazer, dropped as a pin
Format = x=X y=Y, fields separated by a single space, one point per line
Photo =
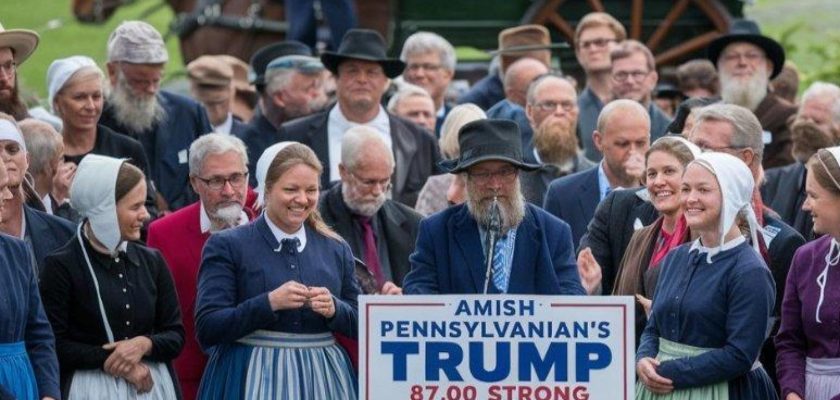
x=573 y=199
x=449 y=258
x=48 y=233
x=167 y=145
x=773 y=113
x=447 y=107
x=486 y=92
x=258 y=136
x=399 y=224
x=237 y=128
x=784 y=192
x=535 y=183
x=611 y=228
x=415 y=151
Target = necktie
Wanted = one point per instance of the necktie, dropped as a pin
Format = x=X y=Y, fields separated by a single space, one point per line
x=500 y=274
x=290 y=245
x=371 y=256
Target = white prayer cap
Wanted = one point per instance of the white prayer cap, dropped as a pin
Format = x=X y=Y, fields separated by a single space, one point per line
x=262 y=169
x=10 y=131
x=137 y=42
x=62 y=70
x=93 y=195
x=736 y=187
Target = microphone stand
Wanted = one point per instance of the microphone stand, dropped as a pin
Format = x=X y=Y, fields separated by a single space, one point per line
x=493 y=231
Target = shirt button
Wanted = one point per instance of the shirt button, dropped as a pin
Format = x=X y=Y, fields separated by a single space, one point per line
x=127 y=306
x=125 y=290
x=293 y=266
x=127 y=323
x=120 y=275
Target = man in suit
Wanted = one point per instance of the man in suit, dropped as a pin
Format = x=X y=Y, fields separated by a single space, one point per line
x=430 y=63
x=380 y=231
x=622 y=135
x=42 y=232
x=533 y=252
x=634 y=77
x=361 y=70
x=164 y=123
x=552 y=113
x=218 y=173
x=211 y=83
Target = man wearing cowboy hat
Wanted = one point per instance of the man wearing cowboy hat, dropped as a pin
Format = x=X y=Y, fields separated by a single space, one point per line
x=362 y=70
x=531 y=41
x=533 y=253
x=746 y=62
x=16 y=45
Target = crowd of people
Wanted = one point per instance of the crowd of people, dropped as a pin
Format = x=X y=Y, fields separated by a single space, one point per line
x=213 y=246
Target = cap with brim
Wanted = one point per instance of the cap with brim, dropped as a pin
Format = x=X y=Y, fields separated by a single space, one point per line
x=265 y=55
x=210 y=71
x=523 y=49
x=22 y=42
x=365 y=45
x=744 y=30
x=240 y=73
x=303 y=64
x=488 y=140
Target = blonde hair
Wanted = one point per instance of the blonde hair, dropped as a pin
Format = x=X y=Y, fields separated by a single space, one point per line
x=459 y=116
x=597 y=19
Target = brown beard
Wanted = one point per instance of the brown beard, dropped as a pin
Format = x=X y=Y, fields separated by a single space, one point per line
x=13 y=105
x=556 y=141
x=807 y=138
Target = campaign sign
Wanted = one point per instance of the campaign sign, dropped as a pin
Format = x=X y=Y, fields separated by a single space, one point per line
x=478 y=347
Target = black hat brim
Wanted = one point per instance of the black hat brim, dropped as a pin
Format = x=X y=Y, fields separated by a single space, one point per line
x=390 y=66
x=455 y=166
x=775 y=52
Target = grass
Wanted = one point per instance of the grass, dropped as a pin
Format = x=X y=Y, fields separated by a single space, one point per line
x=801 y=23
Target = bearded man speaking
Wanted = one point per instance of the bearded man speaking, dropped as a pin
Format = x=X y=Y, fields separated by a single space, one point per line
x=533 y=253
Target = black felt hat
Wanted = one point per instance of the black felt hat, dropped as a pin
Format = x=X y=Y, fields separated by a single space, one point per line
x=363 y=44
x=263 y=56
x=744 y=30
x=486 y=140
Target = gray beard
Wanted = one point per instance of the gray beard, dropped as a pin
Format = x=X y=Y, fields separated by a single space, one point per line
x=227 y=217
x=363 y=208
x=747 y=94
x=137 y=114
x=512 y=209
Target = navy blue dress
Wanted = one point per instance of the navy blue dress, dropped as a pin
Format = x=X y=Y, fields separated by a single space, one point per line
x=724 y=306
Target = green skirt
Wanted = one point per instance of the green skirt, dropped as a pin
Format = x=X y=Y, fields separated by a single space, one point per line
x=671 y=351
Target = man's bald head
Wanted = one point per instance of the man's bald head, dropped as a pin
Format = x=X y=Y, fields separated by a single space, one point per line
x=519 y=75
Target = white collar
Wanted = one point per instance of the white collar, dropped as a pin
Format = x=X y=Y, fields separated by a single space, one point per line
x=441 y=112
x=225 y=127
x=205 y=223
x=381 y=118
x=47 y=200
x=280 y=235
x=717 y=249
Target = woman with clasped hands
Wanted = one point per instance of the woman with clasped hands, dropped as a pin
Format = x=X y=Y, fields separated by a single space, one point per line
x=271 y=294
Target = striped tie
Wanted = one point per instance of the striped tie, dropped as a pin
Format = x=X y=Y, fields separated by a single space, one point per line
x=500 y=273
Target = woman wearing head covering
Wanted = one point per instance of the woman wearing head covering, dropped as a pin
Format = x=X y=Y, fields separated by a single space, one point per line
x=263 y=163
x=28 y=365
x=713 y=301
x=76 y=88
x=808 y=358
x=110 y=300
x=665 y=163
x=271 y=294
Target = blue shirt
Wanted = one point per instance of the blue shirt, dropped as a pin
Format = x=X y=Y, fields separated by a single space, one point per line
x=509 y=246
x=603 y=183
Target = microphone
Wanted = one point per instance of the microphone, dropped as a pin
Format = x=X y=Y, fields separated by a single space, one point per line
x=494 y=228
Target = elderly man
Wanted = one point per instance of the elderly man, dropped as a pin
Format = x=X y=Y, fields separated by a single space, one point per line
x=16 y=45
x=552 y=112
x=622 y=136
x=518 y=77
x=218 y=173
x=533 y=252
x=430 y=63
x=164 y=123
x=292 y=90
x=746 y=62
x=51 y=175
x=380 y=231
x=817 y=125
x=414 y=104
x=43 y=233
x=362 y=69
x=211 y=83
x=596 y=35
x=634 y=77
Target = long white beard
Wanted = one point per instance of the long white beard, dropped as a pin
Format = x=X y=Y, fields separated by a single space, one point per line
x=512 y=208
x=228 y=215
x=137 y=113
x=747 y=93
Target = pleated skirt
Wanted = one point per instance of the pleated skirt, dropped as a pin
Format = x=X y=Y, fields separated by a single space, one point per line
x=93 y=384
x=16 y=374
x=268 y=365
x=822 y=378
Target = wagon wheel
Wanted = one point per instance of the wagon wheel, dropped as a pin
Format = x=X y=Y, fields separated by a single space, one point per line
x=550 y=14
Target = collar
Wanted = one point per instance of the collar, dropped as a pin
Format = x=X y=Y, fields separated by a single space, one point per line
x=380 y=122
x=226 y=126
x=280 y=235
x=696 y=245
x=441 y=112
x=603 y=182
x=205 y=223
x=564 y=167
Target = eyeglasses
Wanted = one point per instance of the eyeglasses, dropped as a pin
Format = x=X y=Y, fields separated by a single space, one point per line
x=751 y=56
x=217 y=182
x=549 y=106
x=505 y=175
x=622 y=76
x=385 y=184
x=426 y=67
x=598 y=43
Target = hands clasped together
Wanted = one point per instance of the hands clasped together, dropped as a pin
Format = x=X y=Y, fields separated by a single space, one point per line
x=124 y=362
x=292 y=295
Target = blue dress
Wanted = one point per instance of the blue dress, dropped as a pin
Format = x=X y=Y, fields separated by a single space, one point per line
x=259 y=353
x=28 y=364
x=725 y=307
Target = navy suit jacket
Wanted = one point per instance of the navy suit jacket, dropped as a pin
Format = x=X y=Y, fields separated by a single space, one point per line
x=48 y=233
x=258 y=135
x=448 y=257
x=573 y=198
x=486 y=92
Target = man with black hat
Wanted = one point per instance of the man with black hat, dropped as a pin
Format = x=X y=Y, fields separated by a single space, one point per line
x=362 y=70
x=746 y=62
x=532 y=253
